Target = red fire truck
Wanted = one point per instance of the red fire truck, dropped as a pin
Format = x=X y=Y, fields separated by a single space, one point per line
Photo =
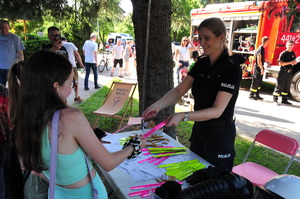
x=247 y=22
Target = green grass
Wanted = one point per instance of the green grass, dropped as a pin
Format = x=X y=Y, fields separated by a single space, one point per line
x=260 y=155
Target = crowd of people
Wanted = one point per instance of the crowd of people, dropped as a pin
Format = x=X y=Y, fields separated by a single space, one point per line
x=286 y=60
x=121 y=55
x=40 y=86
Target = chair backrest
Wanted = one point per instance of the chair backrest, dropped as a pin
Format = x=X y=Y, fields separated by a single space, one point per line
x=277 y=142
x=116 y=97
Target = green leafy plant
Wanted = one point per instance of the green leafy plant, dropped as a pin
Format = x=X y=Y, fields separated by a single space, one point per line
x=33 y=44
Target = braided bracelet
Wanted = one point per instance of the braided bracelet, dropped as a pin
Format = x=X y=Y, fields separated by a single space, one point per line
x=135 y=142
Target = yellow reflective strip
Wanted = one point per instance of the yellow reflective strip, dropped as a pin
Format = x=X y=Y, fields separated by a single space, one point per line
x=254 y=90
x=284 y=93
x=276 y=94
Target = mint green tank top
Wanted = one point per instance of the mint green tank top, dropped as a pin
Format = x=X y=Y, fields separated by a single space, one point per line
x=70 y=168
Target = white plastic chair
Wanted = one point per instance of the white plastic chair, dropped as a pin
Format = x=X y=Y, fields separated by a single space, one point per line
x=259 y=175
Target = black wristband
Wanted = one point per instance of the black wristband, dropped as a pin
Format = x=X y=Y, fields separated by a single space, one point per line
x=135 y=143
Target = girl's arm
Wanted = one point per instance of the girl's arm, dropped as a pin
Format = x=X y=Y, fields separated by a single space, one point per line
x=76 y=125
x=193 y=47
x=176 y=54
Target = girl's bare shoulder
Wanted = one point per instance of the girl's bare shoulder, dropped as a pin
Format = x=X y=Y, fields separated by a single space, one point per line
x=73 y=121
x=71 y=114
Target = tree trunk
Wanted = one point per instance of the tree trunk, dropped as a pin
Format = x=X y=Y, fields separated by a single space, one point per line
x=155 y=77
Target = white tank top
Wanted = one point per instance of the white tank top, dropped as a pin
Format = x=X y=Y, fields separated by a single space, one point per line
x=184 y=53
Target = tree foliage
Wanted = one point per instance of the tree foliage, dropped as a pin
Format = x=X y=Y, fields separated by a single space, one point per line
x=181 y=19
x=76 y=19
x=125 y=25
x=33 y=44
x=32 y=9
x=109 y=17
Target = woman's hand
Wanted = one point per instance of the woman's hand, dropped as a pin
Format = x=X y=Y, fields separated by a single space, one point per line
x=174 y=119
x=152 y=110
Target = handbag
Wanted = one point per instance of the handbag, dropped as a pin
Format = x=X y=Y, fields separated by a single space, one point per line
x=53 y=159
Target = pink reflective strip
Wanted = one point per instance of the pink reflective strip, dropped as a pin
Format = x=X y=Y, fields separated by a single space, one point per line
x=150 y=185
x=147 y=185
x=121 y=129
x=155 y=159
x=145 y=160
x=161 y=160
x=137 y=193
x=150 y=191
x=154 y=129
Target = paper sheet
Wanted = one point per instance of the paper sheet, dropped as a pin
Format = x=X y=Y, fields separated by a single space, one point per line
x=143 y=171
x=134 y=120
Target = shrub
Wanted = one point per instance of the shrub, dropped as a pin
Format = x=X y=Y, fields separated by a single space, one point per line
x=33 y=44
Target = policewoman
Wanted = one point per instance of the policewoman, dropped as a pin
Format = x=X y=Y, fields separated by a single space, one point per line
x=215 y=80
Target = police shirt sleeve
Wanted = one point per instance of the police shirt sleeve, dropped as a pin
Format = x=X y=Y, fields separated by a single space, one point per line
x=230 y=79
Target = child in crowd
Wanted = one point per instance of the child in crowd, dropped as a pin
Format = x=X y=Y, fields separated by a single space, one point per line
x=195 y=55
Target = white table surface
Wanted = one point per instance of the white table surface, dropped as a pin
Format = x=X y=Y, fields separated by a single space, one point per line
x=120 y=181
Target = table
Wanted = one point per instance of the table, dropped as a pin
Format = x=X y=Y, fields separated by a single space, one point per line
x=120 y=181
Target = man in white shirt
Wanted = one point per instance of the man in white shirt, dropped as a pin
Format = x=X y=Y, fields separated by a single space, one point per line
x=90 y=48
x=73 y=52
x=117 y=54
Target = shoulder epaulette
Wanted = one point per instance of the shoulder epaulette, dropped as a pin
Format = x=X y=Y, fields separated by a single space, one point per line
x=202 y=56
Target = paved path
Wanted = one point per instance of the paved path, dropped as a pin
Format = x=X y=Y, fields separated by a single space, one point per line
x=253 y=116
x=103 y=79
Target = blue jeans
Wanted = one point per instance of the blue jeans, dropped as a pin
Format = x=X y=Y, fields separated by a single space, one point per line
x=3 y=76
x=88 y=67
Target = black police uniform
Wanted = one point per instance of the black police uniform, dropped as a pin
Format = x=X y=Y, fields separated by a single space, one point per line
x=284 y=76
x=257 y=77
x=214 y=139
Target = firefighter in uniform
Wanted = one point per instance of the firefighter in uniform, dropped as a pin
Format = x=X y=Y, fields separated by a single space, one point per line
x=215 y=80
x=286 y=61
x=258 y=70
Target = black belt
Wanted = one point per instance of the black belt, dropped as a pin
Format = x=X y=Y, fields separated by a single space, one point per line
x=217 y=122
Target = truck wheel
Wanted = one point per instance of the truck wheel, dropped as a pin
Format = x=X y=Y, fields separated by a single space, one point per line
x=295 y=86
